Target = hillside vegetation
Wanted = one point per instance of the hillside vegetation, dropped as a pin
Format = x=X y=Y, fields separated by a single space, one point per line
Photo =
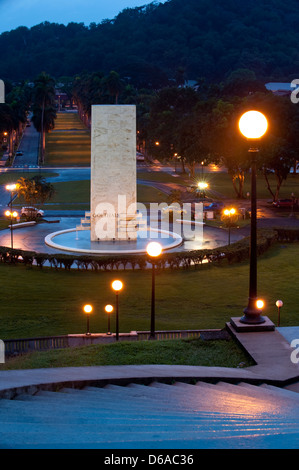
x=156 y=43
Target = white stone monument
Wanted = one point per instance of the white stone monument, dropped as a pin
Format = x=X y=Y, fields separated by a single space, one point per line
x=113 y=197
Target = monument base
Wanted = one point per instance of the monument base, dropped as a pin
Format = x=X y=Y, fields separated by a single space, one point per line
x=240 y=327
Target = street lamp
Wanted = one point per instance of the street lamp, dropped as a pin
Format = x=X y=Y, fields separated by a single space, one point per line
x=11 y=187
x=87 y=310
x=202 y=186
x=279 y=304
x=117 y=287
x=228 y=213
x=109 y=310
x=253 y=125
x=154 y=249
x=12 y=215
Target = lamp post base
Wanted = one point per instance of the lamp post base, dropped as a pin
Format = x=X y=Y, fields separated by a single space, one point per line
x=240 y=326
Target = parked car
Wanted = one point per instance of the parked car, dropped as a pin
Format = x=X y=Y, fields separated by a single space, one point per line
x=19 y=153
x=139 y=157
x=284 y=203
x=31 y=213
x=214 y=206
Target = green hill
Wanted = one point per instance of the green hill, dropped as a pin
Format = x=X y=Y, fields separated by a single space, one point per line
x=158 y=42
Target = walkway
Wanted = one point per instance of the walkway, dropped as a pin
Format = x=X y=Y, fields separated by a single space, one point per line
x=157 y=407
x=269 y=349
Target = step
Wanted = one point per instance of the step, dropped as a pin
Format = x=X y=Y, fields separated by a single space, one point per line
x=245 y=390
x=84 y=433
x=244 y=442
x=265 y=390
x=123 y=405
x=248 y=390
x=222 y=399
x=289 y=394
x=293 y=387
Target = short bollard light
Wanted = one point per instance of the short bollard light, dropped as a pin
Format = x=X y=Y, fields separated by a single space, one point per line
x=109 y=310
x=87 y=310
x=279 y=304
x=228 y=215
x=117 y=287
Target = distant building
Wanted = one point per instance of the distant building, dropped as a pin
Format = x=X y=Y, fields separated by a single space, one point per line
x=281 y=89
x=62 y=100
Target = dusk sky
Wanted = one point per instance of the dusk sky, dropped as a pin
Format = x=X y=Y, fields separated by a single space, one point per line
x=31 y=12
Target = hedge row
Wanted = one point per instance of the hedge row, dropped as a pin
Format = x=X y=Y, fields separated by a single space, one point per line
x=236 y=252
x=287 y=234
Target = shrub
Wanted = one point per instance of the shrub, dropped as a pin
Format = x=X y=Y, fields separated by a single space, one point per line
x=235 y=253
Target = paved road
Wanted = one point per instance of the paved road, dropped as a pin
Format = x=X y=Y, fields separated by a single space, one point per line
x=29 y=146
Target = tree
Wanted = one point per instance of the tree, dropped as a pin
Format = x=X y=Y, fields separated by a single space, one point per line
x=114 y=85
x=279 y=146
x=35 y=191
x=224 y=143
x=168 y=128
x=44 y=112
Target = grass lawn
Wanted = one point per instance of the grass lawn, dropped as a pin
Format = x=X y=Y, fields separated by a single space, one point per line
x=10 y=177
x=220 y=184
x=69 y=143
x=41 y=302
x=191 y=352
x=75 y=195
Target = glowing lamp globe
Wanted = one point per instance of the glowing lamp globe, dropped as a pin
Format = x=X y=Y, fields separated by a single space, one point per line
x=11 y=187
x=87 y=309
x=154 y=249
x=260 y=304
x=108 y=308
x=117 y=285
x=253 y=124
x=279 y=303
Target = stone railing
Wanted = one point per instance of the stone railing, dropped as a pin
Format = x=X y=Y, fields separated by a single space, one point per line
x=24 y=345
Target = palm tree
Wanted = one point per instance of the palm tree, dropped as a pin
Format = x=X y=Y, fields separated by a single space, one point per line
x=44 y=112
x=113 y=84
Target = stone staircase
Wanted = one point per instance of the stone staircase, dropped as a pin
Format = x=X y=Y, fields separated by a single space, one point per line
x=179 y=415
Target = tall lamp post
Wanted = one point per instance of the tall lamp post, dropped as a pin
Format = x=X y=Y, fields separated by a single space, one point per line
x=117 y=287
x=253 y=125
x=154 y=249
x=12 y=214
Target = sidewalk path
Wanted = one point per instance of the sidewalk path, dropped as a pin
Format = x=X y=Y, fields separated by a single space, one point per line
x=270 y=349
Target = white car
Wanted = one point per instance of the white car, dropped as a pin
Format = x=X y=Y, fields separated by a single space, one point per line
x=31 y=212
x=139 y=157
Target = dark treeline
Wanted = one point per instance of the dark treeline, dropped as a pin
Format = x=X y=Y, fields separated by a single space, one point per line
x=177 y=40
